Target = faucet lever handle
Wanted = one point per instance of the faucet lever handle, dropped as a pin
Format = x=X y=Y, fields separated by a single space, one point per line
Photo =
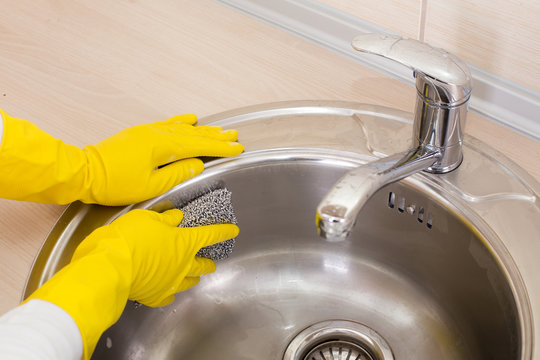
x=434 y=65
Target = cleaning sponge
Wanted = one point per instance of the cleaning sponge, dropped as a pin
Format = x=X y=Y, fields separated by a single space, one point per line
x=214 y=207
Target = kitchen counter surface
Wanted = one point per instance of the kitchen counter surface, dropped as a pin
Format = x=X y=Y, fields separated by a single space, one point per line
x=83 y=70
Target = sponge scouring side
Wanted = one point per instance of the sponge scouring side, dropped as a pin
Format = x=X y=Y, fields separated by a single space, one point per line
x=214 y=207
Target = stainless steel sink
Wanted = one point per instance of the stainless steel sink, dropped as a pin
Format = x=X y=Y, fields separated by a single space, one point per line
x=425 y=274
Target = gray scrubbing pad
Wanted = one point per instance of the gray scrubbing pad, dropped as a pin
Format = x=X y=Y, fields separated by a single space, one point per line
x=214 y=207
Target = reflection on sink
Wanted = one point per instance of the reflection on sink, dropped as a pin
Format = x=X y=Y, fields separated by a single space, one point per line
x=432 y=289
x=423 y=275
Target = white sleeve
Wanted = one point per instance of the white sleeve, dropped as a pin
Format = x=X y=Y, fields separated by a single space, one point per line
x=39 y=330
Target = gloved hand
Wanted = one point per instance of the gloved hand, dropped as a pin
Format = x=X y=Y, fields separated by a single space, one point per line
x=140 y=256
x=126 y=168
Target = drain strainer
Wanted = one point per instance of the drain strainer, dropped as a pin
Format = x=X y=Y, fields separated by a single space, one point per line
x=338 y=350
x=338 y=340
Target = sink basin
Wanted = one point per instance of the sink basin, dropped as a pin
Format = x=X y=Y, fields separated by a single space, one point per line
x=431 y=289
x=425 y=273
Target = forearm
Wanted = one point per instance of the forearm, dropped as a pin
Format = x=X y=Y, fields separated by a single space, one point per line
x=1 y=129
x=38 y=167
x=93 y=289
x=39 y=330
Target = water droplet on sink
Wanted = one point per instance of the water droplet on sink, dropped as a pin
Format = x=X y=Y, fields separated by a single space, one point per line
x=109 y=342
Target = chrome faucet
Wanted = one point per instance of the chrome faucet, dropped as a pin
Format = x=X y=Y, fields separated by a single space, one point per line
x=443 y=85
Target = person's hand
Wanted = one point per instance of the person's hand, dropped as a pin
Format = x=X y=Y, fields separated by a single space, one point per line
x=136 y=164
x=162 y=254
x=144 y=161
x=141 y=256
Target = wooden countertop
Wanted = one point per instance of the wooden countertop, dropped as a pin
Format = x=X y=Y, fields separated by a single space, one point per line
x=83 y=70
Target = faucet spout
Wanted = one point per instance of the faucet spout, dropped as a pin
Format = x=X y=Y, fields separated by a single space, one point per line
x=337 y=212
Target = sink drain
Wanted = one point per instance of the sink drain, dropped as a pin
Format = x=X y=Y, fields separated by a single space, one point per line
x=342 y=350
x=338 y=340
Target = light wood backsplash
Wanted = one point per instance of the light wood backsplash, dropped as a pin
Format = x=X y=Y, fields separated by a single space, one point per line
x=402 y=17
x=500 y=36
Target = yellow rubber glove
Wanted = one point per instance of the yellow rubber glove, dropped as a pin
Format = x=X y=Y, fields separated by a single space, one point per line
x=140 y=256
x=126 y=168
